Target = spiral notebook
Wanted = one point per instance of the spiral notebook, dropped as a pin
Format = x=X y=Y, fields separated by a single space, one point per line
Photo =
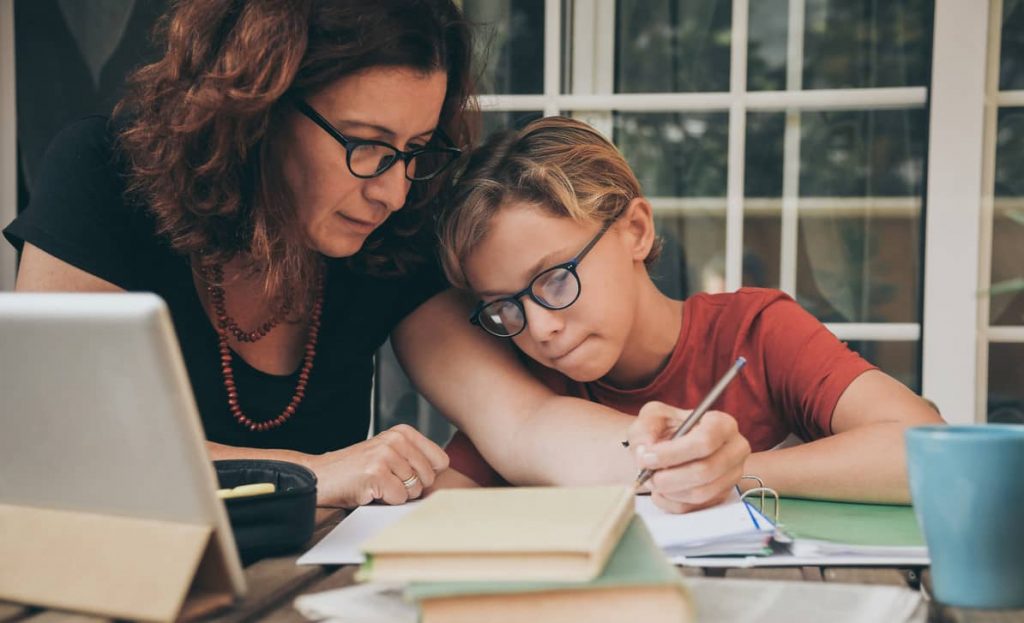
x=819 y=532
x=733 y=528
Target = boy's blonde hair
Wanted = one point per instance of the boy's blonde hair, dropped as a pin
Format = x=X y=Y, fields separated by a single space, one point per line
x=556 y=164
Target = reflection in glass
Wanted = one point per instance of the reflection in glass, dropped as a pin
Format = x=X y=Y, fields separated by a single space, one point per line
x=862 y=153
x=859 y=264
x=762 y=212
x=1006 y=383
x=762 y=246
x=1011 y=57
x=1006 y=305
x=866 y=43
x=859 y=226
x=675 y=154
x=764 y=154
x=766 y=45
x=509 y=38
x=693 y=257
x=900 y=360
x=665 y=46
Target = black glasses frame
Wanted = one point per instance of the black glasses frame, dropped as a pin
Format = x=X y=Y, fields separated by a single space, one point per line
x=350 y=145
x=515 y=299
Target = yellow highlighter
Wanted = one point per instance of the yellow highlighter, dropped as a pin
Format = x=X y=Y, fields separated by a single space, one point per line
x=245 y=491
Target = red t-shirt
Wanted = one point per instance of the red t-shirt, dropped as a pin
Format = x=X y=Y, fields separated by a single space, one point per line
x=795 y=373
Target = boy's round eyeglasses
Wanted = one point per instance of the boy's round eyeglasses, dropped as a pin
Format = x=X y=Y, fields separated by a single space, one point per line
x=368 y=158
x=556 y=288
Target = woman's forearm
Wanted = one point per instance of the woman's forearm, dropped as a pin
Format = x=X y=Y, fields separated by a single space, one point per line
x=219 y=452
x=565 y=441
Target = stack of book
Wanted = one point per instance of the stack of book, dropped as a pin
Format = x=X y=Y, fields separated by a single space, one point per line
x=528 y=554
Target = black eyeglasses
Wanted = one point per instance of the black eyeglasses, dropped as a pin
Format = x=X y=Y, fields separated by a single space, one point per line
x=367 y=158
x=556 y=288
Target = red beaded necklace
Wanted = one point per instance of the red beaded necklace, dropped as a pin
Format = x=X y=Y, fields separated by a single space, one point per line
x=226 y=324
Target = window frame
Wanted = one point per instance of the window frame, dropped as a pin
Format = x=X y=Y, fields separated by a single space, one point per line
x=8 y=144
x=952 y=212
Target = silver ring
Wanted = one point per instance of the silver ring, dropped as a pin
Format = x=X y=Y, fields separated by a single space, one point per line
x=411 y=481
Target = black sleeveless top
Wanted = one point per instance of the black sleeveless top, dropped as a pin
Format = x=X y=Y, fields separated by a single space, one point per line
x=79 y=214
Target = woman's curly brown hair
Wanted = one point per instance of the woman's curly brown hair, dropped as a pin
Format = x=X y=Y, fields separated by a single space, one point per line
x=201 y=122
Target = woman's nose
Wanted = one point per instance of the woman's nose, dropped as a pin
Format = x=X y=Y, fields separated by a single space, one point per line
x=390 y=187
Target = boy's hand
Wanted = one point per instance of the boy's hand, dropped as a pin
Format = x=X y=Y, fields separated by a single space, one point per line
x=695 y=471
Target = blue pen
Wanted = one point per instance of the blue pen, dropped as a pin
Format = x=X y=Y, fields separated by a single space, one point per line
x=698 y=413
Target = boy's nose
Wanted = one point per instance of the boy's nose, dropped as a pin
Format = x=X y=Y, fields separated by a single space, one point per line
x=542 y=323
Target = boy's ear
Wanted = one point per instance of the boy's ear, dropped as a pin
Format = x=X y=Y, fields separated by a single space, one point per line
x=638 y=223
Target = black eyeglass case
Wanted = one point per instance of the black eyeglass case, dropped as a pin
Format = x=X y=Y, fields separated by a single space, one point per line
x=273 y=523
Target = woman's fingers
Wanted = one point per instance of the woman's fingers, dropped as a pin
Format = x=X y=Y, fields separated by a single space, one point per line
x=405 y=458
x=434 y=453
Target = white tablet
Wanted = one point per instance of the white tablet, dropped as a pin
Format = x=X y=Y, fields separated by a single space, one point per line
x=98 y=415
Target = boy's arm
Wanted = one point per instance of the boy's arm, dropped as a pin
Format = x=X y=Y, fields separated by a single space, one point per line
x=864 y=460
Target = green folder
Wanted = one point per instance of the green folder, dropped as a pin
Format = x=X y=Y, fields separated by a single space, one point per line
x=871 y=525
x=636 y=561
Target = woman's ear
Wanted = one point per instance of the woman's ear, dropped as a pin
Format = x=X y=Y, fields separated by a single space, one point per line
x=637 y=223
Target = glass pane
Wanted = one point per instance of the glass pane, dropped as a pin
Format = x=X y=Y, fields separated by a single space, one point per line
x=680 y=160
x=900 y=360
x=858 y=256
x=1011 y=63
x=762 y=242
x=675 y=154
x=509 y=44
x=862 y=153
x=494 y=121
x=667 y=46
x=866 y=43
x=1006 y=306
x=693 y=257
x=859 y=263
x=762 y=214
x=766 y=45
x=763 y=167
x=1006 y=383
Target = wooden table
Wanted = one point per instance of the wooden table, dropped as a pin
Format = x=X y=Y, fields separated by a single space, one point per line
x=275 y=582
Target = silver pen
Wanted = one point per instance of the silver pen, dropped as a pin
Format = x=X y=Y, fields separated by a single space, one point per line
x=697 y=413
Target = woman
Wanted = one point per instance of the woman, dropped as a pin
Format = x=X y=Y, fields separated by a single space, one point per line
x=272 y=177
x=550 y=230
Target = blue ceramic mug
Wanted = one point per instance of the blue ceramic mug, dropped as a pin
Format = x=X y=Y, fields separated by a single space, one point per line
x=967 y=484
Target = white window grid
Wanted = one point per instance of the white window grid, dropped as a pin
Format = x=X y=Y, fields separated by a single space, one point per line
x=591 y=98
x=953 y=374
x=995 y=100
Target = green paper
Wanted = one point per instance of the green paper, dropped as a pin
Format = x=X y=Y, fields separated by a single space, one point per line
x=850 y=523
x=636 y=561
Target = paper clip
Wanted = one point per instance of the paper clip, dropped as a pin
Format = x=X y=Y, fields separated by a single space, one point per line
x=764 y=492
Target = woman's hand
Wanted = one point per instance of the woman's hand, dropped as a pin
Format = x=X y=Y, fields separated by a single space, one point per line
x=394 y=467
x=695 y=471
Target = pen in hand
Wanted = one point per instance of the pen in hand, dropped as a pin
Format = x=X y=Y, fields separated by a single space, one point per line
x=697 y=413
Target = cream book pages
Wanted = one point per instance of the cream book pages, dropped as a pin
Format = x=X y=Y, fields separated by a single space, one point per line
x=528 y=533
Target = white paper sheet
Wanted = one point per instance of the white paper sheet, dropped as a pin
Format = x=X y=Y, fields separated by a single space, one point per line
x=341 y=546
x=719 y=527
x=729 y=528
x=731 y=600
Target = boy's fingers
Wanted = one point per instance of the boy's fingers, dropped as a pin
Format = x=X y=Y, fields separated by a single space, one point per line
x=655 y=421
x=711 y=433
